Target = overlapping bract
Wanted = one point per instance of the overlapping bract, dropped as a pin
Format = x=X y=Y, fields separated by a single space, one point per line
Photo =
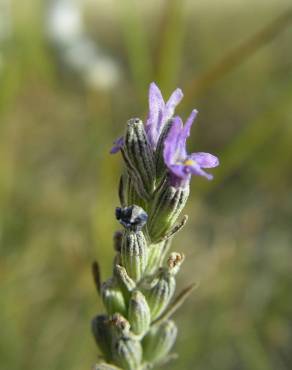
x=136 y=332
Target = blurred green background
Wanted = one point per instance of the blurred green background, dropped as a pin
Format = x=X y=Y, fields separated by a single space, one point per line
x=71 y=74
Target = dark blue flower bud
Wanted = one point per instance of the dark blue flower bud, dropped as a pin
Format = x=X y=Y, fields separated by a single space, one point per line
x=132 y=218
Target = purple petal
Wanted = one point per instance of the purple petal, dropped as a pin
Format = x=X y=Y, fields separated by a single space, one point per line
x=156 y=108
x=187 y=127
x=205 y=160
x=179 y=170
x=171 y=104
x=156 y=102
x=159 y=112
x=195 y=169
x=118 y=143
x=172 y=143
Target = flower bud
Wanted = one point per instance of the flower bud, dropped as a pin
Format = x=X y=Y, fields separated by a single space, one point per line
x=112 y=297
x=132 y=217
x=120 y=326
x=126 y=284
x=159 y=341
x=102 y=333
x=159 y=292
x=168 y=204
x=139 y=159
x=139 y=313
x=134 y=254
x=127 y=353
x=160 y=166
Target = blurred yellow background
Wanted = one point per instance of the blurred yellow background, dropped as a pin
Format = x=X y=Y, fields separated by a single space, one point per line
x=71 y=74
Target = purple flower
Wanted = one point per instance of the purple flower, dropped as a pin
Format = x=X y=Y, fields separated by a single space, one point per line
x=181 y=164
x=160 y=112
x=118 y=143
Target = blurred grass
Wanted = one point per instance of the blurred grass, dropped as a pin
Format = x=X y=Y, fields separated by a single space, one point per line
x=170 y=45
x=58 y=184
x=135 y=40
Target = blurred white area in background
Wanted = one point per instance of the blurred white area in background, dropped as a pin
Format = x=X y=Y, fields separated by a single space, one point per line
x=65 y=29
x=5 y=26
x=64 y=21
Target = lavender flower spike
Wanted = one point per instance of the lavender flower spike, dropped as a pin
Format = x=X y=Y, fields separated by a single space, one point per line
x=160 y=112
x=136 y=332
x=182 y=165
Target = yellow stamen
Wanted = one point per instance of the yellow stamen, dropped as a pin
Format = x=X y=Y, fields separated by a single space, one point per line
x=189 y=162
